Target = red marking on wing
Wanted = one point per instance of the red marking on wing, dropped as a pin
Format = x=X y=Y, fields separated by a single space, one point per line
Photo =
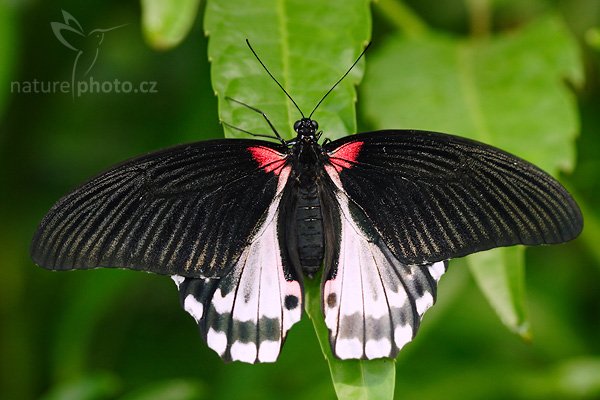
x=268 y=159
x=345 y=156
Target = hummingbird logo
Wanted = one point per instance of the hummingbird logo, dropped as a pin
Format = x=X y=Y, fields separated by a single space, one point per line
x=85 y=45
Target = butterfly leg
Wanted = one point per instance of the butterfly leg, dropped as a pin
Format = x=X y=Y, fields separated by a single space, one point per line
x=277 y=135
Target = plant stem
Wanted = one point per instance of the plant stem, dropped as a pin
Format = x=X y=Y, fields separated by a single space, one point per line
x=591 y=232
x=402 y=17
x=479 y=17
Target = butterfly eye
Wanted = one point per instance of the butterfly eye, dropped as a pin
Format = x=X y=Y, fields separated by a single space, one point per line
x=297 y=125
x=314 y=124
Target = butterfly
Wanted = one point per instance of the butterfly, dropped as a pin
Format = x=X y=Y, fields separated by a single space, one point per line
x=240 y=223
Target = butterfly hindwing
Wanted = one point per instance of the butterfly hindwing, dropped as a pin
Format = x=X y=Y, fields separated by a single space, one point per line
x=372 y=302
x=432 y=196
x=189 y=210
x=245 y=315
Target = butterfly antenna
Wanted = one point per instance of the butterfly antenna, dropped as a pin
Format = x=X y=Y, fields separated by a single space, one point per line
x=339 y=80
x=272 y=77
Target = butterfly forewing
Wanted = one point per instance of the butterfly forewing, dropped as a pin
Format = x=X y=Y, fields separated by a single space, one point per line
x=190 y=210
x=433 y=196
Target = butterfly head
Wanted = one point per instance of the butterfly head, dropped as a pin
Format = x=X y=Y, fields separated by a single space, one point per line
x=306 y=129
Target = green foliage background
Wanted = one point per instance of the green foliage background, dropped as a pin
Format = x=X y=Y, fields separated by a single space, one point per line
x=519 y=75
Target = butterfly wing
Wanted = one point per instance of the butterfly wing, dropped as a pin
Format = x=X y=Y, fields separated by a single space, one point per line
x=400 y=203
x=434 y=196
x=190 y=210
x=373 y=303
x=208 y=214
x=245 y=315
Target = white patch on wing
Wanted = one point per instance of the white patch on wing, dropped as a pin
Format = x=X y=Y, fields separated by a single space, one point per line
x=348 y=348
x=378 y=348
x=372 y=303
x=222 y=304
x=402 y=335
x=437 y=270
x=193 y=306
x=178 y=279
x=245 y=307
x=217 y=341
x=423 y=303
x=268 y=351
x=245 y=352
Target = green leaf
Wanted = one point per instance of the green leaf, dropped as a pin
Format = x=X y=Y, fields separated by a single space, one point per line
x=571 y=378
x=166 y=23
x=500 y=273
x=177 y=389
x=507 y=91
x=591 y=234
x=284 y=34
x=592 y=38
x=8 y=46
x=95 y=293
x=352 y=379
x=96 y=386
x=578 y=377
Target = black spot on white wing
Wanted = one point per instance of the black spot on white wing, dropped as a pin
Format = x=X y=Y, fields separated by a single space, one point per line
x=373 y=303
x=245 y=315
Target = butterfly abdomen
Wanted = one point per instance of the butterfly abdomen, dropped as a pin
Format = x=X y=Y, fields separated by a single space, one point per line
x=309 y=229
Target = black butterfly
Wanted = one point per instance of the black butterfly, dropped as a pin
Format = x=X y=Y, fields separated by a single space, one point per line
x=237 y=223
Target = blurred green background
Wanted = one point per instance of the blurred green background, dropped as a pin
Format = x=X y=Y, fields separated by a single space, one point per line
x=122 y=335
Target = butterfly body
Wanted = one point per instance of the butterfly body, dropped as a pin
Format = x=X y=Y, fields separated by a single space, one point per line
x=305 y=223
